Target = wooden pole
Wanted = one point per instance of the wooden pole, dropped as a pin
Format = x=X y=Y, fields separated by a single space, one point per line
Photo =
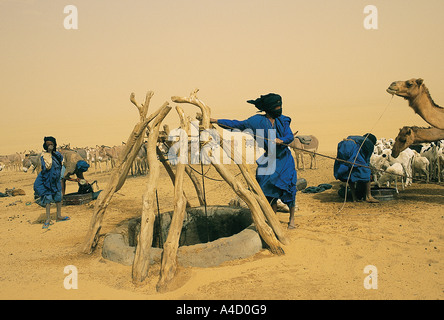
x=169 y=255
x=119 y=172
x=261 y=199
x=142 y=256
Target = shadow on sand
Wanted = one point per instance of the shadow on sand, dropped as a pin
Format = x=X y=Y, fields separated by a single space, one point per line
x=415 y=193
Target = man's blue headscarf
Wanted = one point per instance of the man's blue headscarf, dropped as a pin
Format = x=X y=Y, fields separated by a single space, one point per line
x=267 y=102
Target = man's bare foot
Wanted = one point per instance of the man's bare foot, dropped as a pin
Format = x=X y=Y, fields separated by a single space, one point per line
x=371 y=200
x=291 y=225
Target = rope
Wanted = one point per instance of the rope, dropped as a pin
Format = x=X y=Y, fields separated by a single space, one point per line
x=159 y=223
x=345 y=161
x=353 y=164
x=321 y=155
x=205 y=174
x=360 y=147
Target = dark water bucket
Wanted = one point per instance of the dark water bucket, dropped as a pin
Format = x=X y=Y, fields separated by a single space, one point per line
x=384 y=194
x=381 y=194
x=79 y=198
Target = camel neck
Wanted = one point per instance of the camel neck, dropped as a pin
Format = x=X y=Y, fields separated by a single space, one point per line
x=421 y=103
x=428 y=134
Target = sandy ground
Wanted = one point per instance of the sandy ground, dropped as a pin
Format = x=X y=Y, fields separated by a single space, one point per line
x=326 y=258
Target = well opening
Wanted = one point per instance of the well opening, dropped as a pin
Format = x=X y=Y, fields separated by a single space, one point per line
x=208 y=237
x=200 y=225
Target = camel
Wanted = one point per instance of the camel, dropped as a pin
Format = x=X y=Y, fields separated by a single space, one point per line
x=419 y=100
x=410 y=135
x=298 y=148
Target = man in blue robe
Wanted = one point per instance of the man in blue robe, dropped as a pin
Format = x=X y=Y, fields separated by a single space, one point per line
x=47 y=185
x=276 y=173
x=357 y=150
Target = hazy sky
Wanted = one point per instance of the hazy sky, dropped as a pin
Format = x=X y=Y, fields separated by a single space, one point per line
x=331 y=72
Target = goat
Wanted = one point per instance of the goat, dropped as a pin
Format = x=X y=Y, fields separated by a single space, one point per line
x=420 y=166
x=405 y=158
x=393 y=173
x=378 y=163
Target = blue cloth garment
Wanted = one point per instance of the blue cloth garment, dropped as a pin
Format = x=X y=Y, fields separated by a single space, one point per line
x=320 y=188
x=82 y=166
x=276 y=173
x=348 y=151
x=47 y=185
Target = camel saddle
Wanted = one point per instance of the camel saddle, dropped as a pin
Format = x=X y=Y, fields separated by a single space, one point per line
x=304 y=139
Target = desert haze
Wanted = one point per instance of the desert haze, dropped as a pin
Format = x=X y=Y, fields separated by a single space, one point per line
x=68 y=70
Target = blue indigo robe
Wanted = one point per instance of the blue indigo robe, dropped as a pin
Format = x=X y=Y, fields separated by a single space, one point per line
x=48 y=185
x=276 y=173
x=348 y=151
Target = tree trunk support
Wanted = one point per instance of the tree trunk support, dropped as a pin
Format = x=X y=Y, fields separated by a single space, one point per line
x=120 y=171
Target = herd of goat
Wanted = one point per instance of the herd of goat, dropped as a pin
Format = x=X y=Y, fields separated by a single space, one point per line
x=422 y=162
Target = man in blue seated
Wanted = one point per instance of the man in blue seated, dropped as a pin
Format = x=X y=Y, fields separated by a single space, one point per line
x=73 y=164
x=276 y=173
x=358 y=150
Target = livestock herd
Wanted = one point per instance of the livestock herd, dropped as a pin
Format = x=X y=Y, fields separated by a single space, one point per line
x=422 y=162
x=100 y=158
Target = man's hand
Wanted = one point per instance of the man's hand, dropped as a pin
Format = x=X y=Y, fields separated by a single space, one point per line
x=278 y=141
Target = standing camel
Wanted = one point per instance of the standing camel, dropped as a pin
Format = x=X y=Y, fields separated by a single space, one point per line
x=299 y=149
x=419 y=100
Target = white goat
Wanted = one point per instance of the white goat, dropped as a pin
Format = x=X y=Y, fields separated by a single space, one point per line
x=393 y=173
x=432 y=154
x=420 y=166
x=378 y=163
x=405 y=158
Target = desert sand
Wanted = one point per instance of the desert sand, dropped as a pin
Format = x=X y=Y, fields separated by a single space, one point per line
x=325 y=259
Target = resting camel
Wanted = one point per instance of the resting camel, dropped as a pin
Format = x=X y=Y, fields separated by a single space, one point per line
x=298 y=148
x=410 y=135
x=419 y=100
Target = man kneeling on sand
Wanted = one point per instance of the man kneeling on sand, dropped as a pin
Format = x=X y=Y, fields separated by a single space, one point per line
x=356 y=150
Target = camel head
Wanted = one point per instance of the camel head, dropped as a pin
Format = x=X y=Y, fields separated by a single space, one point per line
x=408 y=89
x=404 y=140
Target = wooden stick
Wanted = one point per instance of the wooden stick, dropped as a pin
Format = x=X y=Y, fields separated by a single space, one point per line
x=260 y=197
x=142 y=256
x=118 y=174
x=192 y=99
x=169 y=258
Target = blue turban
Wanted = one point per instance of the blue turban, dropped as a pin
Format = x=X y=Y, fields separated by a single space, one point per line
x=82 y=166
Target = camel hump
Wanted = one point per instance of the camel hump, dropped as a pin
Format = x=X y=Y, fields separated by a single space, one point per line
x=305 y=139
